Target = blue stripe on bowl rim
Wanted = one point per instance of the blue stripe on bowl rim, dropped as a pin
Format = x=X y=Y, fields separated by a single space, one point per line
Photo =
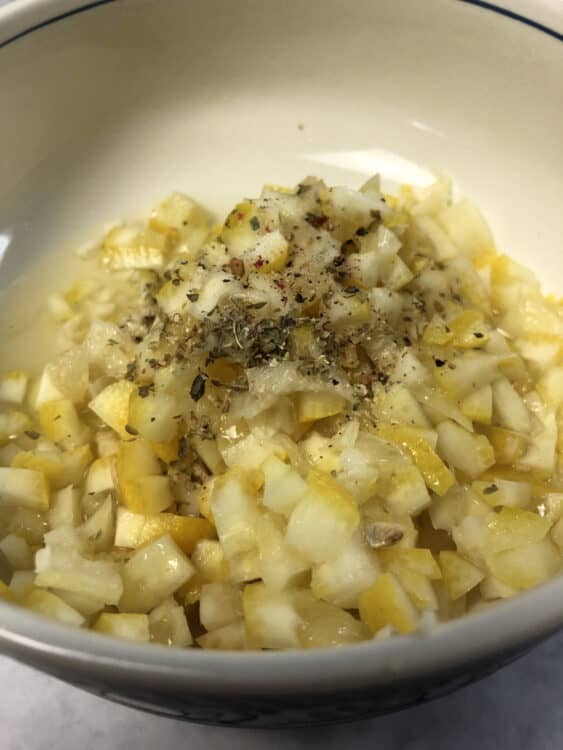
x=515 y=17
x=512 y=15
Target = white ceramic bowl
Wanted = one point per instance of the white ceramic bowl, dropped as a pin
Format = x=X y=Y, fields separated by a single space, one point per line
x=107 y=107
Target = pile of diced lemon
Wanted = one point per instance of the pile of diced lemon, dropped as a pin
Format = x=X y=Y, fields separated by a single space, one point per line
x=313 y=523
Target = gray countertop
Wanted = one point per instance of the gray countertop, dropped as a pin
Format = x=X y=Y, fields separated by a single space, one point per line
x=520 y=708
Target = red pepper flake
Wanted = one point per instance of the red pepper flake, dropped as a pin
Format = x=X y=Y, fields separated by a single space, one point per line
x=259 y=263
x=280 y=283
x=316 y=220
x=240 y=216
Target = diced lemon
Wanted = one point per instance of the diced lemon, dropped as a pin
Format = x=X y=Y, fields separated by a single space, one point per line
x=323 y=624
x=86 y=604
x=237 y=232
x=168 y=625
x=321 y=511
x=271 y=618
x=49 y=463
x=492 y=588
x=323 y=520
x=107 y=443
x=526 y=566
x=229 y=638
x=167 y=452
x=24 y=487
x=134 y=530
x=269 y=254
x=460 y=575
x=508 y=446
x=99 y=529
x=513 y=527
x=209 y=453
x=220 y=604
x=283 y=486
x=203 y=499
x=466 y=227
x=136 y=458
x=64 y=568
x=386 y=603
x=313 y=405
x=279 y=564
x=209 y=561
x=245 y=566
x=44 y=390
x=342 y=580
x=152 y=574
x=132 y=627
x=182 y=220
x=129 y=247
x=397 y=405
x=509 y=409
x=467 y=451
x=438 y=406
x=319 y=452
x=437 y=476
x=540 y=456
x=251 y=451
x=417 y=559
x=418 y=586
x=13 y=386
x=504 y=492
x=437 y=333
x=100 y=475
x=154 y=416
x=345 y=311
x=407 y=492
x=539 y=489
x=235 y=511
x=48 y=604
x=478 y=406
x=65 y=508
x=61 y=468
x=465 y=374
x=147 y=495
x=469 y=330
x=60 y=423
x=189 y=592
x=112 y=406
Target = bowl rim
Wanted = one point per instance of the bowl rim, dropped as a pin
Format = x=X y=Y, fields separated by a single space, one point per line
x=21 y=18
x=524 y=619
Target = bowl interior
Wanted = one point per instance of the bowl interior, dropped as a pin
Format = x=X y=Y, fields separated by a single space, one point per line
x=107 y=110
